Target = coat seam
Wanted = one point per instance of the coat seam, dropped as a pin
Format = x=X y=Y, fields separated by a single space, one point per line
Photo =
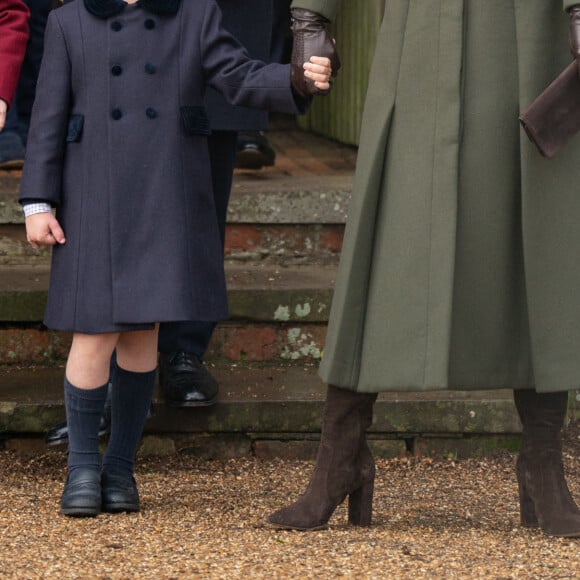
x=80 y=229
x=430 y=232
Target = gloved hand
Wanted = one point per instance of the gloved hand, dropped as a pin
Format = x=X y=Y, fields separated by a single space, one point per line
x=575 y=33
x=311 y=38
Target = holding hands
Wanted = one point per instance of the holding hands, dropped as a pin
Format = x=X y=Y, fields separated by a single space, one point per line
x=315 y=73
x=311 y=73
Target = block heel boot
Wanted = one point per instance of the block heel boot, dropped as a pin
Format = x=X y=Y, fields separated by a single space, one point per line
x=545 y=499
x=344 y=466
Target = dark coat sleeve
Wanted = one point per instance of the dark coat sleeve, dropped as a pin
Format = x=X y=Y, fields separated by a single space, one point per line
x=42 y=174
x=251 y=23
x=242 y=81
x=13 y=36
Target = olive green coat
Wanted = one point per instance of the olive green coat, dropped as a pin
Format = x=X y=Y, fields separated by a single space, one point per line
x=460 y=267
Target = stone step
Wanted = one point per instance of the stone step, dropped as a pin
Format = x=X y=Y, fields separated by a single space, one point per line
x=283 y=403
x=284 y=227
x=275 y=313
x=282 y=244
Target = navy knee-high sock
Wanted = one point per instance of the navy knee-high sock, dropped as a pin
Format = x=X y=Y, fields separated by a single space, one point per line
x=84 y=408
x=130 y=403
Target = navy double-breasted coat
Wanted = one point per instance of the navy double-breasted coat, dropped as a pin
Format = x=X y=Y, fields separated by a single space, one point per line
x=118 y=145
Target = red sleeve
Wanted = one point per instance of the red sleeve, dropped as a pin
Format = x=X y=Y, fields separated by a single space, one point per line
x=13 y=37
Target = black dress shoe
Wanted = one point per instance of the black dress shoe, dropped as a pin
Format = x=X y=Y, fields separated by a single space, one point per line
x=58 y=435
x=185 y=381
x=81 y=496
x=119 y=493
x=253 y=151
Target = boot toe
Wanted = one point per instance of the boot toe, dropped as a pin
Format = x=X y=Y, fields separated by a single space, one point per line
x=565 y=525
x=119 y=493
x=289 y=518
x=81 y=496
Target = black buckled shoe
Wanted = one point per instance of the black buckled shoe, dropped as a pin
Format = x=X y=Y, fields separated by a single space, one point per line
x=119 y=493
x=185 y=381
x=253 y=151
x=81 y=496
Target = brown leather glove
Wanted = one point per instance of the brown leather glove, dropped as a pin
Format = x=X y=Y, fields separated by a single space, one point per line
x=575 y=33
x=311 y=38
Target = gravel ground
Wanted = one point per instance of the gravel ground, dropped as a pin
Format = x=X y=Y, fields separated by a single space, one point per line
x=204 y=519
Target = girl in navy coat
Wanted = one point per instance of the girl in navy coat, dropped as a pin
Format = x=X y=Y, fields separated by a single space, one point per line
x=118 y=145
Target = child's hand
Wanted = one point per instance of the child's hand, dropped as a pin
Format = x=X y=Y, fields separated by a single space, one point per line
x=43 y=228
x=319 y=71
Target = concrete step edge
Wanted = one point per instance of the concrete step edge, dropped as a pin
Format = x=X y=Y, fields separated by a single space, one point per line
x=275 y=398
x=291 y=200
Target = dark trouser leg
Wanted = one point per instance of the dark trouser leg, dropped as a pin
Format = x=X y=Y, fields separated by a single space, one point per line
x=183 y=378
x=26 y=92
x=11 y=145
x=13 y=137
x=545 y=499
x=281 y=45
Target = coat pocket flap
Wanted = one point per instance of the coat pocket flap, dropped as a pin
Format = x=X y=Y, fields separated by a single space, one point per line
x=195 y=120
x=75 y=128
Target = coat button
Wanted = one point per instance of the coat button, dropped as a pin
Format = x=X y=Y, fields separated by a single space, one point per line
x=116 y=114
x=116 y=70
x=151 y=113
x=116 y=25
x=149 y=24
x=150 y=69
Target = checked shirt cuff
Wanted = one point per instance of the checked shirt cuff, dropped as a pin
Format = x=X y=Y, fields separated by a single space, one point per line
x=32 y=208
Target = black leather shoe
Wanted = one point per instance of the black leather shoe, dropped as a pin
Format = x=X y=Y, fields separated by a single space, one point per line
x=185 y=381
x=119 y=493
x=58 y=435
x=253 y=151
x=81 y=496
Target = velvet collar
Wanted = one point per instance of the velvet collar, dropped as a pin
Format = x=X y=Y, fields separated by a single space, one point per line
x=108 y=8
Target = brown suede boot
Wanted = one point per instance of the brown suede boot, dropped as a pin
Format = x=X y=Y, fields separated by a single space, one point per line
x=344 y=466
x=545 y=499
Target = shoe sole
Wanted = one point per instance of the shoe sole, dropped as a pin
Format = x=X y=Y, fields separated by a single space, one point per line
x=80 y=512
x=270 y=524
x=200 y=404
x=116 y=508
x=56 y=443
x=571 y=535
